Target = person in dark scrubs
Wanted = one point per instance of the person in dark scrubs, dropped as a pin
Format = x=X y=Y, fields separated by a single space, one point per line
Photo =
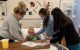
x=64 y=27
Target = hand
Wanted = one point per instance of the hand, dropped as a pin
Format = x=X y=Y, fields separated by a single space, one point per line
x=56 y=44
x=32 y=33
x=49 y=37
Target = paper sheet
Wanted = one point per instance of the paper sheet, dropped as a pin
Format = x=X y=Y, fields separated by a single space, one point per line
x=32 y=44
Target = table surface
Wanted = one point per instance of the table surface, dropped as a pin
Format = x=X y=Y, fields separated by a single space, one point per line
x=18 y=46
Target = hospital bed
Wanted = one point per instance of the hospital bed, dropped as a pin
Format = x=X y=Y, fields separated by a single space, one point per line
x=25 y=33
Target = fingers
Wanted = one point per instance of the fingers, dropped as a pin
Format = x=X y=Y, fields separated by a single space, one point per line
x=56 y=44
x=34 y=34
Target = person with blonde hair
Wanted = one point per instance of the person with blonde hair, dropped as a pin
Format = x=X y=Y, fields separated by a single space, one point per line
x=11 y=28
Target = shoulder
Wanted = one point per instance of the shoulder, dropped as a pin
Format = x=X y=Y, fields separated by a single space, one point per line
x=50 y=18
x=11 y=19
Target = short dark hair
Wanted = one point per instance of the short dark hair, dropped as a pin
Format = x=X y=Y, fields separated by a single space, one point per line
x=44 y=12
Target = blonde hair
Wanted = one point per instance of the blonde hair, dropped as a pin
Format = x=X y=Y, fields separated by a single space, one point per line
x=21 y=8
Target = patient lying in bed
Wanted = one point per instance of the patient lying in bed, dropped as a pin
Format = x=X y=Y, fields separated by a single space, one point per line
x=31 y=37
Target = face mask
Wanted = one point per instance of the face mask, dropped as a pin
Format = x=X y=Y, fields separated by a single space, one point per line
x=20 y=17
x=43 y=17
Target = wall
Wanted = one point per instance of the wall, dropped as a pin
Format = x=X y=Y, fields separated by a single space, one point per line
x=77 y=14
x=35 y=22
x=66 y=1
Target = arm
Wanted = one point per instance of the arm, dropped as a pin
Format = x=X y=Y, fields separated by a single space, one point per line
x=36 y=33
x=41 y=31
x=49 y=29
x=57 y=37
x=15 y=31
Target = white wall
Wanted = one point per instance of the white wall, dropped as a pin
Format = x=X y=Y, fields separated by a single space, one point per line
x=12 y=3
x=66 y=1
